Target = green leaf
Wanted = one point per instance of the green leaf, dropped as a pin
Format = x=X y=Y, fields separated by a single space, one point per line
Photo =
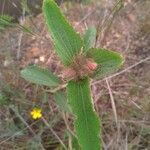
x=86 y=1
x=108 y=61
x=89 y=38
x=40 y=76
x=3 y=99
x=61 y=101
x=87 y=123
x=67 y=42
x=75 y=143
x=5 y=21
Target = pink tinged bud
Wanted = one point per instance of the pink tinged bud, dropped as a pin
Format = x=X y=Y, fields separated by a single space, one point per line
x=91 y=65
x=69 y=73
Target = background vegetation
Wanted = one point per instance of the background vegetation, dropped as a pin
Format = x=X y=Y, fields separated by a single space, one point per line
x=122 y=100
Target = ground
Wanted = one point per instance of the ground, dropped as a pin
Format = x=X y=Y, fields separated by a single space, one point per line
x=122 y=100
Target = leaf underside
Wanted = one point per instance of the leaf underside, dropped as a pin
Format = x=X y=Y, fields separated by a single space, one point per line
x=87 y=123
x=40 y=76
x=67 y=42
x=108 y=61
x=89 y=38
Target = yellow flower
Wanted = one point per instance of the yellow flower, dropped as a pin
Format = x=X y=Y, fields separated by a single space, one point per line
x=36 y=113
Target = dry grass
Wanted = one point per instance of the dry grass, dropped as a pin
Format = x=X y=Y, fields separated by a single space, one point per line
x=121 y=100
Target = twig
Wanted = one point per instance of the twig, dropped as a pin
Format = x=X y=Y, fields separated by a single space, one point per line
x=85 y=17
x=22 y=20
x=22 y=119
x=19 y=45
x=123 y=71
x=17 y=133
x=47 y=124
x=57 y=88
x=126 y=142
x=3 y=5
x=107 y=22
x=136 y=105
x=132 y=66
x=66 y=123
x=112 y=100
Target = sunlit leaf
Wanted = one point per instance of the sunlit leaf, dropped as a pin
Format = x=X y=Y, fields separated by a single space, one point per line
x=87 y=123
x=67 y=42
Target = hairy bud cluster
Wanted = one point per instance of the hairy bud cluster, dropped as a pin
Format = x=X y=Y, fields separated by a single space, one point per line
x=81 y=67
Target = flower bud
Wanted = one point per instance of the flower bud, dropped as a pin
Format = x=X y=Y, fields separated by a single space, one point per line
x=68 y=74
x=91 y=64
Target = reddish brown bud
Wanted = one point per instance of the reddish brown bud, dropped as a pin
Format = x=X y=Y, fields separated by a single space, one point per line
x=82 y=67
x=91 y=64
x=69 y=73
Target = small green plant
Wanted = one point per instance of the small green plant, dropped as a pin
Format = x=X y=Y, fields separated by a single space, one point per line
x=81 y=62
x=5 y=21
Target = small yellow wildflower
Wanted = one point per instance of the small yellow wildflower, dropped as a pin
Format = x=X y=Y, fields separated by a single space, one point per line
x=36 y=113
